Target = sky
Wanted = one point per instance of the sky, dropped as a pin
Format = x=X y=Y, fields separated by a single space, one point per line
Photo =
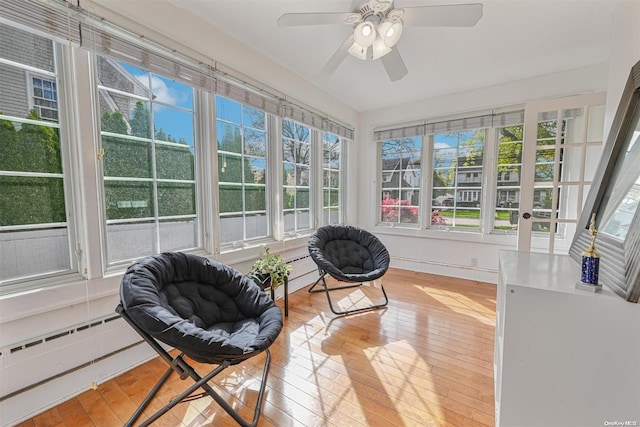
x=175 y=122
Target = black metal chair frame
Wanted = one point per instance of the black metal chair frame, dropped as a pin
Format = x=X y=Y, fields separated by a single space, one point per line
x=326 y=289
x=184 y=370
x=364 y=240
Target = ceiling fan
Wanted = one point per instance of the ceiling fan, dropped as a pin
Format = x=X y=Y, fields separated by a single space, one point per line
x=377 y=27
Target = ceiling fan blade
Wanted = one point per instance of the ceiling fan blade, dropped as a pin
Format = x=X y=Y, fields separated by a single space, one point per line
x=453 y=15
x=335 y=61
x=394 y=65
x=320 y=18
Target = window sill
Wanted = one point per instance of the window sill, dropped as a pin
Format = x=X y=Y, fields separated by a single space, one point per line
x=450 y=234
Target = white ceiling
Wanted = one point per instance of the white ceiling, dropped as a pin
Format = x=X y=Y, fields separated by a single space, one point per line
x=514 y=40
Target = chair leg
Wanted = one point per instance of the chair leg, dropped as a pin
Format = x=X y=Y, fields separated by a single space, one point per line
x=202 y=382
x=327 y=289
x=184 y=370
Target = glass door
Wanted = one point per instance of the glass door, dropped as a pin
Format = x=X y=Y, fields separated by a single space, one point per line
x=561 y=149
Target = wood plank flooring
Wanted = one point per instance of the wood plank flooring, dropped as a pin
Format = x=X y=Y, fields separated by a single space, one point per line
x=424 y=360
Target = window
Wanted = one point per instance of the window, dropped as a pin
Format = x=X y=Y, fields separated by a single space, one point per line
x=33 y=212
x=509 y=166
x=296 y=155
x=331 y=158
x=242 y=171
x=456 y=198
x=401 y=165
x=148 y=161
x=45 y=97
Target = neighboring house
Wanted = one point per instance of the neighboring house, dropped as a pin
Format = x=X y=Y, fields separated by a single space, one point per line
x=401 y=174
x=113 y=75
x=24 y=90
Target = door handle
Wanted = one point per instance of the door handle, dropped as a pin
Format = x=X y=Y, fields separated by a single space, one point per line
x=526 y=215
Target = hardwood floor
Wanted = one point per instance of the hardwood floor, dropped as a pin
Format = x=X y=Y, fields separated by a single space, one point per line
x=424 y=360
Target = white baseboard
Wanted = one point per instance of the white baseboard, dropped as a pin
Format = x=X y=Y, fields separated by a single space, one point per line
x=451 y=270
x=36 y=400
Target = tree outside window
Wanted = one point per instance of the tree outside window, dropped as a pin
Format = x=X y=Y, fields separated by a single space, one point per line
x=296 y=154
x=457 y=178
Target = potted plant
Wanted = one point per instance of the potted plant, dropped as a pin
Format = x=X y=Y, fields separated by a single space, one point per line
x=270 y=270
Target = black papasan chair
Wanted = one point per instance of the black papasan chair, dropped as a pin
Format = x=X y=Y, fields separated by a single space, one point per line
x=348 y=254
x=208 y=311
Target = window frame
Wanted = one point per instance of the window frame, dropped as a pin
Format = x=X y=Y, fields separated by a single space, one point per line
x=312 y=190
x=155 y=219
x=268 y=133
x=69 y=157
x=340 y=170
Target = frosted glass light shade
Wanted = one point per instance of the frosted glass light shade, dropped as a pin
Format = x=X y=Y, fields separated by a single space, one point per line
x=390 y=32
x=365 y=34
x=379 y=49
x=358 y=51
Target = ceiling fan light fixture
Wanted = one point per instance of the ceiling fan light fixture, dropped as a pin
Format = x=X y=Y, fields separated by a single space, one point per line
x=390 y=32
x=358 y=51
x=365 y=34
x=379 y=49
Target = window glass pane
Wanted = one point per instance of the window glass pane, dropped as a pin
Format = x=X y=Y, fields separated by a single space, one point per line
x=176 y=199
x=255 y=143
x=129 y=199
x=29 y=147
x=122 y=76
x=256 y=170
x=302 y=198
x=231 y=228
x=303 y=219
x=229 y=168
x=170 y=92
x=401 y=170
x=457 y=178
x=131 y=240
x=230 y=199
x=257 y=225
x=31 y=200
x=228 y=110
x=572 y=126
x=289 y=221
x=124 y=115
x=50 y=246
x=173 y=125
x=253 y=118
x=591 y=161
x=126 y=158
x=175 y=161
x=256 y=199
x=229 y=138
x=177 y=235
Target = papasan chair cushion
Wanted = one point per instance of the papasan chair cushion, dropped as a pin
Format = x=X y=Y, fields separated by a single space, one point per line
x=208 y=310
x=348 y=254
